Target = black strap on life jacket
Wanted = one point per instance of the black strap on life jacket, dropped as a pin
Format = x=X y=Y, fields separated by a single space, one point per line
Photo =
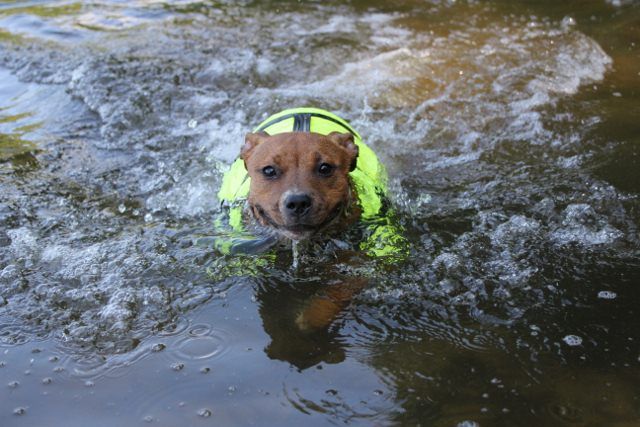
x=302 y=122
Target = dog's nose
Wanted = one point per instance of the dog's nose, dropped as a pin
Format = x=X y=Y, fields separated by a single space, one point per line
x=297 y=204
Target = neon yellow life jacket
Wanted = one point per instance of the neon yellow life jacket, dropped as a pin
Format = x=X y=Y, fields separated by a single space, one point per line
x=369 y=177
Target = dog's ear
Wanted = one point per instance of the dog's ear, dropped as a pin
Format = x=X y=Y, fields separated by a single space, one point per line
x=345 y=140
x=251 y=141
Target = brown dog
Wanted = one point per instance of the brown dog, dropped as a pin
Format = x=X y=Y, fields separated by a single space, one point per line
x=300 y=186
x=297 y=176
x=300 y=181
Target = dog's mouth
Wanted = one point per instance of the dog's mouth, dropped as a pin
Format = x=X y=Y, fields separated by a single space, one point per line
x=299 y=230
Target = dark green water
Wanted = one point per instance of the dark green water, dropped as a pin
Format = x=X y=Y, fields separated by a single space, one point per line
x=511 y=135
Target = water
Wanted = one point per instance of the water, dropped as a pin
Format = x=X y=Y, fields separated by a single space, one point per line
x=510 y=134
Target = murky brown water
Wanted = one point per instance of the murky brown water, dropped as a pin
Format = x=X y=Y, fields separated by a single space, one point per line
x=510 y=132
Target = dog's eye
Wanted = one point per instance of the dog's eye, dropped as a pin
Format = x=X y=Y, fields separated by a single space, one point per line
x=325 y=169
x=269 y=171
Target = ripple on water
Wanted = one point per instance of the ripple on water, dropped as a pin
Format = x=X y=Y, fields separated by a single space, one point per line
x=180 y=391
x=370 y=407
x=201 y=342
x=93 y=367
x=566 y=413
x=175 y=327
x=369 y=329
x=17 y=333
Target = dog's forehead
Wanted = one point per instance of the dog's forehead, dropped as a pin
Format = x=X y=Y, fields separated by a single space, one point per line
x=298 y=145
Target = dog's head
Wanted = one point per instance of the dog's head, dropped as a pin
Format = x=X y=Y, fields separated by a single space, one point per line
x=299 y=180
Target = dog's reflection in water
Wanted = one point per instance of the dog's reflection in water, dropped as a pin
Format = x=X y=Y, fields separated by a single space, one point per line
x=303 y=319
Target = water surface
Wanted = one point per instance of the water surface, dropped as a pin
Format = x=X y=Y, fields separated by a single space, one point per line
x=510 y=133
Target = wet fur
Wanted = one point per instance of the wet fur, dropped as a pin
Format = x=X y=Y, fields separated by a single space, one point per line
x=296 y=157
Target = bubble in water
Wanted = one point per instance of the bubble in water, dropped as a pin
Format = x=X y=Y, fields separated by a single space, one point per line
x=572 y=340
x=177 y=366
x=47 y=380
x=148 y=419
x=148 y=217
x=13 y=384
x=468 y=423
x=158 y=347
x=204 y=413
x=122 y=208
x=192 y=123
x=89 y=383
x=20 y=411
x=607 y=295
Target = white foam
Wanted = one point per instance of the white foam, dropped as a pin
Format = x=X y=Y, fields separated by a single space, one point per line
x=579 y=62
x=515 y=229
x=586 y=236
x=192 y=195
x=368 y=77
x=582 y=225
x=222 y=141
x=24 y=242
